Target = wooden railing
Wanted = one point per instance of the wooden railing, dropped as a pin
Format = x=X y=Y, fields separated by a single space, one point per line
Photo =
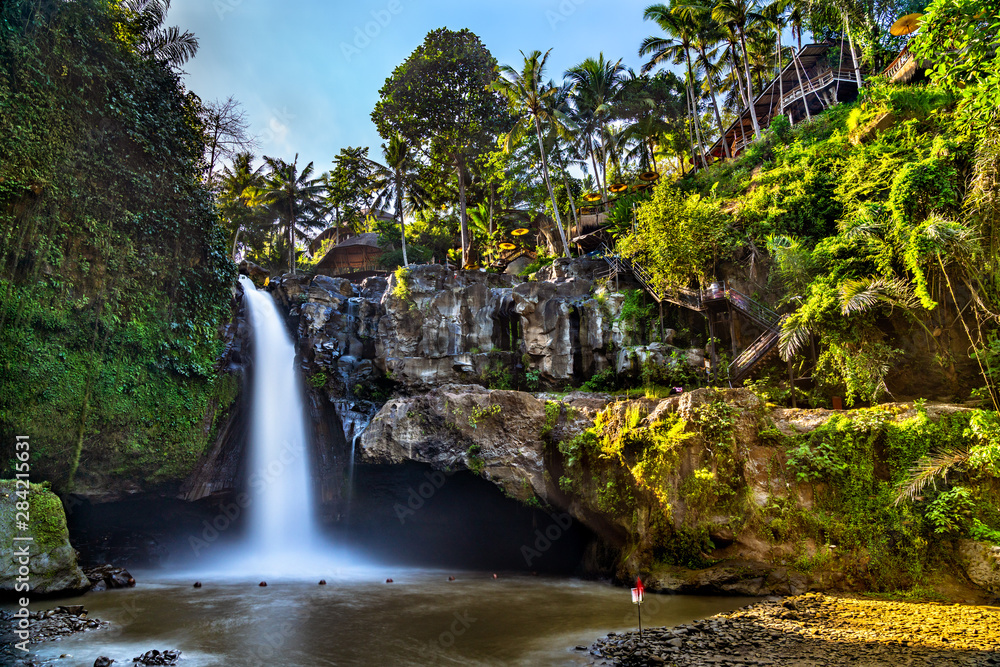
x=904 y=57
x=815 y=84
x=740 y=143
x=744 y=364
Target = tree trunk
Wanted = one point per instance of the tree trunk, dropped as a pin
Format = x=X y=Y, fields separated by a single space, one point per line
x=854 y=57
x=715 y=103
x=548 y=185
x=236 y=239
x=805 y=102
x=399 y=210
x=593 y=161
x=750 y=97
x=569 y=195
x=691 y=137
x=694 y=115
x=604 y=164
x=781 y=86
x=291 y=238
x=466 y=241
x=336 y=212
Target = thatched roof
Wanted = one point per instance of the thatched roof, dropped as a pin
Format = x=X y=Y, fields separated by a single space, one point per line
x=370 y=239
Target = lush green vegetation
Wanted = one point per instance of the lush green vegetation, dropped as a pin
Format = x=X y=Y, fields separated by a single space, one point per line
x=675 y=480
x=115 y=272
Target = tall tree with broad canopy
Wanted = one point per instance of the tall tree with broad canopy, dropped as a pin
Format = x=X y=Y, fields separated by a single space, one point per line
x=440 y=99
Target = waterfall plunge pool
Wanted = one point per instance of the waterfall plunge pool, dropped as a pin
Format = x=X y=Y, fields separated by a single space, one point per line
x=358 y=619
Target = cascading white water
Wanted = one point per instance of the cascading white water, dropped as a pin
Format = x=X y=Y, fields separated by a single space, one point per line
x=281 y=515
x=283 y=538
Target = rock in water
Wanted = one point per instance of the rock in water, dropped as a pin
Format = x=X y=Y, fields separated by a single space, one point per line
x=155 y=657
x=54 y=569
x=109 y=576
x=103 y=661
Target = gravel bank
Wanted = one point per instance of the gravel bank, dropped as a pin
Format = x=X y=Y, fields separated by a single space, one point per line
x=813 y=629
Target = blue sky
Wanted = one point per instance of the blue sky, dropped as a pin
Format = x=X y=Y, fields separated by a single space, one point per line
x=308 y=74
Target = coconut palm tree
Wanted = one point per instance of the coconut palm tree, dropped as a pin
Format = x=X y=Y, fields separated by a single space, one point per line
x=597 y=84
x=676 y=48
x=708 y=34
x=565 y=145
x=529 y=96
x=169 y=45
x=394 y=179
x=237 y=197
x=741 y=16
x=293 y=197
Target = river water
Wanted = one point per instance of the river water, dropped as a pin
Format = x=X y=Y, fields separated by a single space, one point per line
x=358 y=619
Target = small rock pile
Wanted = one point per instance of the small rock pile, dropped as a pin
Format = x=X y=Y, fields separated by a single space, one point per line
x=815 y=630
x=155 y=657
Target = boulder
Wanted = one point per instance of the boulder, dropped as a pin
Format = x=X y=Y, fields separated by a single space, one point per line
x=982 y=564
x=106 y=577
x=52 y=560
x=518 y=265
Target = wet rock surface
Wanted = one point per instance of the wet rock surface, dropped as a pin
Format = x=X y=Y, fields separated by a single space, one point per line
x=818 y=630
x=107 y=577
x=156 y=657
x=48 y=625
x=495 y=433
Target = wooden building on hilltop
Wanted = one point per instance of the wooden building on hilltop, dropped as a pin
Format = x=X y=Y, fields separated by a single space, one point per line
x=807 y=85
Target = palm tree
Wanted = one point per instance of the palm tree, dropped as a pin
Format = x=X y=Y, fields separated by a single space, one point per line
x=741 y=16
x=596 y=87
x=676 y=48
x=529 y=100
x=293 y=196
x=708 y=34
x=564 y=144
x=170 y=45
x=237 y=198
x=394 y=178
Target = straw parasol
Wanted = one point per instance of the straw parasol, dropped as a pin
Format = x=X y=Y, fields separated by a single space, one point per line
x=905 y=25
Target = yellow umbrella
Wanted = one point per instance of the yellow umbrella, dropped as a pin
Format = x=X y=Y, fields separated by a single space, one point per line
x=649 y=176
x=507 y=246
x=618 y=187
x=520 y=232
x=905 y=25
x=593 y=196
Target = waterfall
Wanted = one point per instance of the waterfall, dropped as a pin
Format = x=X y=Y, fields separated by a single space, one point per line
x=281 y=514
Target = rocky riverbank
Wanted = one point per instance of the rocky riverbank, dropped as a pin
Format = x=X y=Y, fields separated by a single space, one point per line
x=813 y=630
x=48 y=625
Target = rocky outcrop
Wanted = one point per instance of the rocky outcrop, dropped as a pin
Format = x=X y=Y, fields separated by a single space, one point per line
x=50 y=565
x=495 y=433
x=982 y=564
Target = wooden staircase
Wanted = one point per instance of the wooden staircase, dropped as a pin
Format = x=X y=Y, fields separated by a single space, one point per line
x=747 y=361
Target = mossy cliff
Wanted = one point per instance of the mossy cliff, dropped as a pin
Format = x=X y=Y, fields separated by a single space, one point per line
x=715 y=490
x=114 y=276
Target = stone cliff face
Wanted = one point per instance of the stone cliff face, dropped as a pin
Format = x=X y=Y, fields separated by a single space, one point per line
x=429 y=327
x=694 y=492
